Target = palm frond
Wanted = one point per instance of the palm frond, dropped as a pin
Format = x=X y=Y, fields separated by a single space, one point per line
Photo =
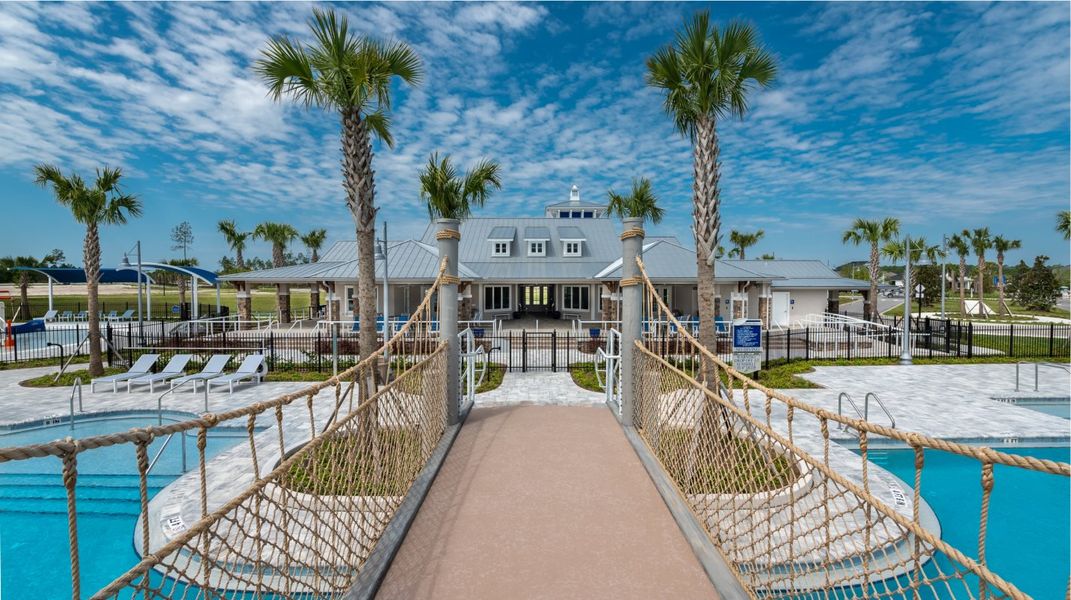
x=379 y=124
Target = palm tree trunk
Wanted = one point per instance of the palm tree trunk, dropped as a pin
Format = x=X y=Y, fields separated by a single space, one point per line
x=979 y=286
x=24 y=282
x=239 y=259
x=358 y=179
x=872 y=310
x=962 y=286
x=707 y=218
x=1002 y=307
x=91 y=257
x=277 y=257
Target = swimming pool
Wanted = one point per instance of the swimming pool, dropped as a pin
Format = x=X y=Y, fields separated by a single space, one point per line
x=1028 y=537
x=33 y=509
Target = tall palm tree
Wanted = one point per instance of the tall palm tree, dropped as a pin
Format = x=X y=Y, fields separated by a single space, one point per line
x=452 y=196
x=640 y=202
x=707 y=74
x=350 y=75
x=962 y=248
x=980 y=241
x=102 y=204
x=1002 y=244
x=314 y=240
x=236 y=240
x=741 y=241
x=279 y=235
x=1063 y=223
x=874 y=233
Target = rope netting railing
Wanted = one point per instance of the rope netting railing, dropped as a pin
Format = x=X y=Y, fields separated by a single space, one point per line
x=793 y=510
x=296 y=508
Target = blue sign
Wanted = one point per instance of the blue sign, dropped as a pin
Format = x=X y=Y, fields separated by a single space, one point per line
x=747 y=336
x=176 y=309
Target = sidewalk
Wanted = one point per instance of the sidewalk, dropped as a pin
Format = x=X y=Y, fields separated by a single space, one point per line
x=544 y=502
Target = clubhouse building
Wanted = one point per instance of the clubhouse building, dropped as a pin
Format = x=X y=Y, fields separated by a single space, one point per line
x=564 y=265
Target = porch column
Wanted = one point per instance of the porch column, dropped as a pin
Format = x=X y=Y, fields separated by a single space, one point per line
x=193 y=291
x=607 y=304
x=631 y=313
x=314 y=300
x=466 y=312
x=764 y=310
x=282 y=296
x=447 y=235
x=833 y=303
x=245 y=304
x=334 y=312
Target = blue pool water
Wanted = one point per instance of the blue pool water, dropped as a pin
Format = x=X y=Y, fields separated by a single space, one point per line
x=1029 y=524
x=34 y=552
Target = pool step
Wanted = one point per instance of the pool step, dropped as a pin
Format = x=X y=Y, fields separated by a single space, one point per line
x=100 y=495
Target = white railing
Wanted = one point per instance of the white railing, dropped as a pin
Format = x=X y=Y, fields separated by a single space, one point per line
x=495 y=325
x=216 y=325
x=472 y=374
x=611 y=359
x=836 y=321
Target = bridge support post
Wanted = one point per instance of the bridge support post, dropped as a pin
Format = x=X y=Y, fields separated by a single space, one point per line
x=447 y=235
x=631 y=312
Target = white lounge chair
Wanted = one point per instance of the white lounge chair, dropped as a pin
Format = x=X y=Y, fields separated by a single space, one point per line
x=67 y=315
x=251 y=369
x=142 y=366
x=50 y=316
x=213 y=368
x=126 y=316
x=175 y=367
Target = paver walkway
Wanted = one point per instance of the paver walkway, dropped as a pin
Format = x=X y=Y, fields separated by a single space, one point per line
x=544 y=502
x=539 y=387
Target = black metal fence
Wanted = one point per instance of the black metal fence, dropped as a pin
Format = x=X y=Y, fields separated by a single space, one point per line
x=317 y=350
x=73 y=310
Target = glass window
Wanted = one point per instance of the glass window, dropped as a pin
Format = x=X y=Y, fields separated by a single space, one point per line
x=537 y=248
x=564 y=214
x=496 y=297
x=500 y=249
x=572 y=249
x=588 y=214
x=349 y=298
x=575 y=297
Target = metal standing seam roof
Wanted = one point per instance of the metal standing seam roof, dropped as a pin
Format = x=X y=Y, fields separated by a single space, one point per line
x=570 y=232
x=409 y=260
x=502 y=232
x=832 y=283
x=601 y=247
x=666 y=260
x=536 y=233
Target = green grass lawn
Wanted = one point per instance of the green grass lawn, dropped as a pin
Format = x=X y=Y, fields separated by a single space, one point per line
x=162 y=299
x=952 y=310
x=67 y=378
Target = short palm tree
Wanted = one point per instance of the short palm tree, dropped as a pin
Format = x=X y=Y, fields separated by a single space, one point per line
x=896 y=251
x=1063 y=223
x=452 y=196
x=741 y=241
x=874 y=233
x=350 y=75
x=980 y=241
x=314 y=240
x=959 y=244
x=236 y=240
x=102 y=204
x=640 y=202
x=1002 y=244
x=707 y=75
x=279 y=235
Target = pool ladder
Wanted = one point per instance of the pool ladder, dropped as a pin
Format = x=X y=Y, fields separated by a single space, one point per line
x=865 y=413
x=76 y=389
x=1037 y=365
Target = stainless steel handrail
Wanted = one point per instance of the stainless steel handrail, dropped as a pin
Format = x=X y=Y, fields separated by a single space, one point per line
x=840 y=400
x=77 y=388
x=160 y=452
x=866 y=407
x=160 y=400
x=1037 y=366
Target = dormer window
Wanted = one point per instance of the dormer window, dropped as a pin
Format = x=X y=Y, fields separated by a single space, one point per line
x=571 y=248
x=537 y=248
x=500 y=249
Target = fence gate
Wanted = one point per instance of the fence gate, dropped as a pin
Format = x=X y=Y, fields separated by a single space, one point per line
x=608 y=369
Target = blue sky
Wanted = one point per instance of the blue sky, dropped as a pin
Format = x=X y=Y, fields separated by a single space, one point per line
x=947 y=116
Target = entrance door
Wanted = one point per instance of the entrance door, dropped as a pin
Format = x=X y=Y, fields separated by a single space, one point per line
x=779 y=309
x=537 y=299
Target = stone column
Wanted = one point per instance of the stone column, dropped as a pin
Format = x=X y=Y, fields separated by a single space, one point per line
x=467 y=311
x=631 y=313
x=314 y=300
x=245 y=304
x=607 y=304
x=764 y=311
x=447 y=235
x=283 y=301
